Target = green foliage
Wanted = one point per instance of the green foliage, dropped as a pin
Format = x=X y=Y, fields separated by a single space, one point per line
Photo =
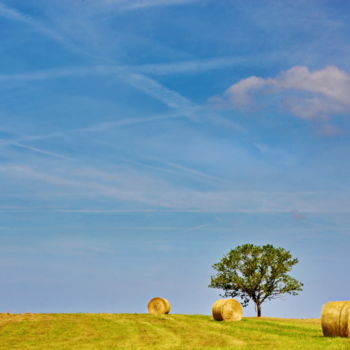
x=256 y=273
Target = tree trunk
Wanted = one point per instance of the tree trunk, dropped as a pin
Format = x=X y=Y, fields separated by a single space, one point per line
x=258 y=310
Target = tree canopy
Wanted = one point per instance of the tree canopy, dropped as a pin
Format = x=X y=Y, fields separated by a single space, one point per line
x=256 y=273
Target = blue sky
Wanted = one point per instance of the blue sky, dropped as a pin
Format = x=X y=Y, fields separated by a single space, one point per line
x=142 y=140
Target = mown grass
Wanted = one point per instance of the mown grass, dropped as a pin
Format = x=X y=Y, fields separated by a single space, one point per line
x=144 y=331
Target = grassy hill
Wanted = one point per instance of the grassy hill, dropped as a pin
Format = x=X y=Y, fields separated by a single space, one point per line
x=144 y=331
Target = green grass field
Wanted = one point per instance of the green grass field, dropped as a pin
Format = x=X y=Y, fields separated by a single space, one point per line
x=144 y=331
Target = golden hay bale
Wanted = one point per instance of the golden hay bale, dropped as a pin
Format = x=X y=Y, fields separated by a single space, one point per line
x=335 y=319
x=227 y=310
x=158 y=306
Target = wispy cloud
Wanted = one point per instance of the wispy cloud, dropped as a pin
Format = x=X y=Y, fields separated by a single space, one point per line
x=15 y=15
x=138 y=81
x=149 y=86
x=179 y=67
x=297 y=215
x=41 y=151
x=133 y=76
x=130 y=5
x=64 y=246
x=169 y=97
x=47 y=74
x=22 y=141
x=126 y=122
x=194 y=66
x=143 y=192
x=141 y=82
x=307 y=94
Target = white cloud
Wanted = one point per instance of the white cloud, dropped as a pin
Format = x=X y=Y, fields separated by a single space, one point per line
x=307 y=94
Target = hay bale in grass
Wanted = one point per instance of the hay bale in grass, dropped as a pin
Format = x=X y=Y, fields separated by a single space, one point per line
x=335 y=319
x=227 y=310
x=158 y=306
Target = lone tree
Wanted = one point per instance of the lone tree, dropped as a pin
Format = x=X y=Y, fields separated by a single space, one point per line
x=256 y=273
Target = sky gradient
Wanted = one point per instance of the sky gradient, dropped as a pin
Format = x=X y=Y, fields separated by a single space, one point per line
x=141 y=140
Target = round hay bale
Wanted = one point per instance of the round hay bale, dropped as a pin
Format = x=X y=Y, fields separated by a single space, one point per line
x=335 y=319
x=158 y=306
x=227 y=310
